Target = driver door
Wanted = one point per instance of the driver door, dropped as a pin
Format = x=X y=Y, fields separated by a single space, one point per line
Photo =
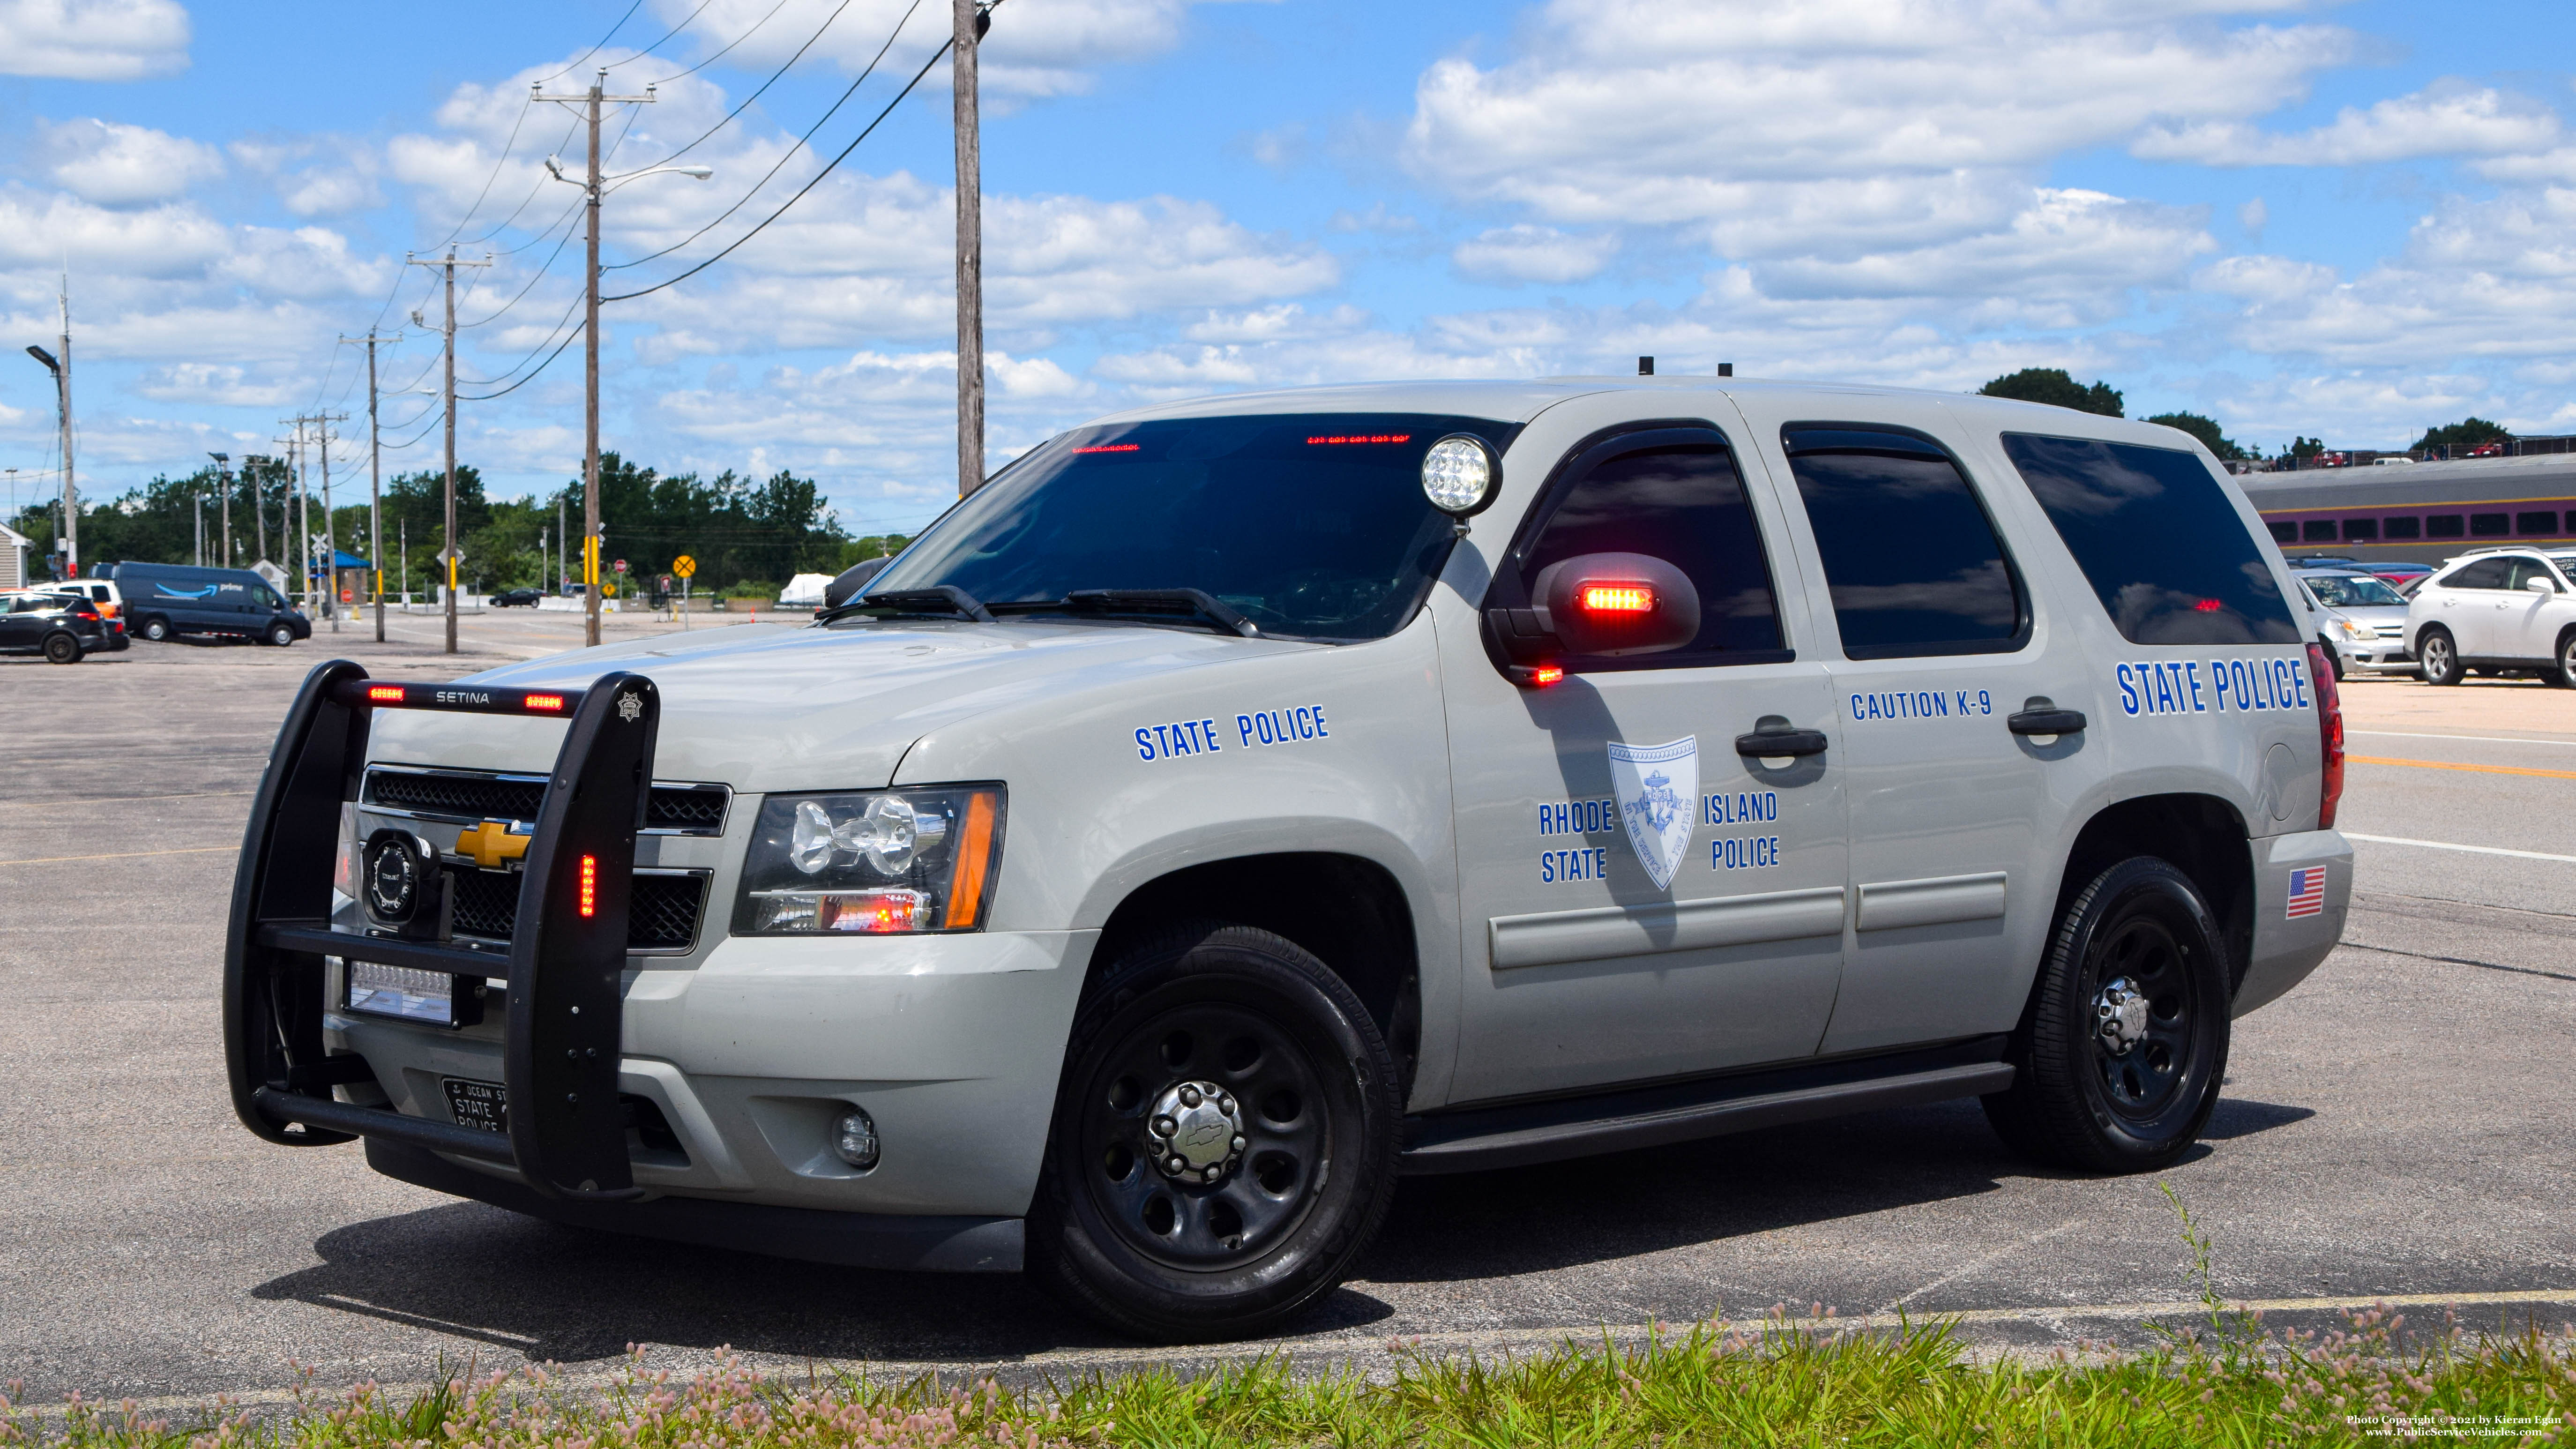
x=1639 y=900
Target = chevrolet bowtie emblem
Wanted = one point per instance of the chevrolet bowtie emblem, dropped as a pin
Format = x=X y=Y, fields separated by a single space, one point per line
x=491 y=843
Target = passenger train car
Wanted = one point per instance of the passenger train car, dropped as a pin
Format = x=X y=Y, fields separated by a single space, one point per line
x=2422 y=512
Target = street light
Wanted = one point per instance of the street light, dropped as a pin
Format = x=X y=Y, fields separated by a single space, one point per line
x=224 y=474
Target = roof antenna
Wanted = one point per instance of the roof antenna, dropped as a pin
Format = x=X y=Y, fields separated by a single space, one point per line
x=1726 y=369
x=1645 y=367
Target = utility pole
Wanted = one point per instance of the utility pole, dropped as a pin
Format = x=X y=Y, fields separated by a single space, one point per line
x=61 y=368
x=224 y=487
x=375 y=479
x=591 y=101
x=971 y=19
x=330 y=526
x=252 y=463
x=447 y=396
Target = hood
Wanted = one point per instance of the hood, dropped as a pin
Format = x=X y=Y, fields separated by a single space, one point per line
x=773 y=707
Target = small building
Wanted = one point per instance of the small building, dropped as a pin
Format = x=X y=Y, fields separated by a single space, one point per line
x=13 y=557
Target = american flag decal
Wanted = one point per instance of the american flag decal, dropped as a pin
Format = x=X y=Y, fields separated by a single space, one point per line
x=2307 y=892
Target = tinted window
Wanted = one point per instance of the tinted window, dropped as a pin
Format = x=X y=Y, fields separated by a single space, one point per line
x=1311 y=525
x=2535 y=523
x=2285 y=533
x=2320 y=530
x=2158 y=538
x=2490 y=525
x=2361 y=528
x=2444 y=525
x=1682 y=503
x=1911 y=560
x=2486 y=573
x=2405 y=528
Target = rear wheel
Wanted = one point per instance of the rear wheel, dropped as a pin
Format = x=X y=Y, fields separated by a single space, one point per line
x=2439 y=656
x=156 y=628
x=62 y=649
x=2124 y=1044
x=1224 y=1139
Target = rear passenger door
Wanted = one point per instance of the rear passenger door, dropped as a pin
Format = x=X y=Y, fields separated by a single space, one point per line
x=1638 y=899
x=1937 y=643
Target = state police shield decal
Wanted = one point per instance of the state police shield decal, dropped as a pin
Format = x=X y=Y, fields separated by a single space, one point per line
x=1658 y=790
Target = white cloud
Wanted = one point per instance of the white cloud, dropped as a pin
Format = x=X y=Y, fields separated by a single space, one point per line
x=99 y=40
x=117 y=165
x=219 y=385
x=342 y=181
x=2451 y=119
x=1526 y=253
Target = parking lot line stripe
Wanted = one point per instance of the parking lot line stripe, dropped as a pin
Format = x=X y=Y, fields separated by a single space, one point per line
x=2472 y=769
x=2478 y=739
x=121 y=855
x=2446 y=845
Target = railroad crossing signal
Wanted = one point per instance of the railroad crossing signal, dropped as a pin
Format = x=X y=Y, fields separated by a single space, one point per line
x=684 y=566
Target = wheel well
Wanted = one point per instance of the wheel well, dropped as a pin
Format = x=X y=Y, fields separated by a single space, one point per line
x=2201 y=835
x=1348 y=912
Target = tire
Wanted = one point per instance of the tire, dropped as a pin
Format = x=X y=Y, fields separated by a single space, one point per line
x=1313 y=1097
x=2439 y=656
x=156 y=629
x=2562 y=671
x=281 y=635
x=62 y=649
x=2107 y=1090
x=2334 y=657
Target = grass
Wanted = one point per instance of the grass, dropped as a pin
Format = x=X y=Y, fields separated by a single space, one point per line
x=1787 y=1380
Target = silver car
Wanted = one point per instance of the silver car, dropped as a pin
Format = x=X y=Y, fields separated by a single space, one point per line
x=2365 y=619
x=1236 y=805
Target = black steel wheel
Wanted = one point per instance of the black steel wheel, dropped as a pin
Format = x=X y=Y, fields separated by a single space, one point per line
x=62 y=649
x=1224 y=1138
x=2440 y=657
x=2123 y=1047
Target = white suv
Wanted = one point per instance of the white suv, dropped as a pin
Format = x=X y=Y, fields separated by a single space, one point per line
x=2500 y=609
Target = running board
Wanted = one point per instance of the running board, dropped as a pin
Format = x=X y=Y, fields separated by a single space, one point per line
x=1479 y=1139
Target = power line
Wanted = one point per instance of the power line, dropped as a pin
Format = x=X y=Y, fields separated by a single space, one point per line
x=596 y=49
x=730 y=44
x=789 y=155
x=800 y=191
x=773 y=80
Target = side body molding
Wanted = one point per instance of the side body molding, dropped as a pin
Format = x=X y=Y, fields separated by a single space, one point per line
x=1609 y=931
x=1891 y=905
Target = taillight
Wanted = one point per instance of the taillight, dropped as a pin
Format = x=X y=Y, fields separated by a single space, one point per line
x=2329 y=735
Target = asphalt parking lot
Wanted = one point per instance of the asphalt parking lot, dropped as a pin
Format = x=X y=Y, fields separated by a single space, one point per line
x=2397 y=1127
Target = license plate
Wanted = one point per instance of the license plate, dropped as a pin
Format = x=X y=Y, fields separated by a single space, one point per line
x=483 y=1105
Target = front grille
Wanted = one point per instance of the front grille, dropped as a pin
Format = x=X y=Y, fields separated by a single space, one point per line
x=661 y=915
x=469 y=795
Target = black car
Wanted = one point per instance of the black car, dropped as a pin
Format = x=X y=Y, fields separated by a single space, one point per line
x=517 y=598
x=165 y=601
x=61 y=627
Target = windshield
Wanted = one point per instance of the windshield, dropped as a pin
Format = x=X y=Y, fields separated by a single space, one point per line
x=1311 y=525
x=2342 y=591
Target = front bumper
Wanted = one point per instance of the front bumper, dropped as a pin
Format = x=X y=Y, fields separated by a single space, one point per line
x=2291 y=940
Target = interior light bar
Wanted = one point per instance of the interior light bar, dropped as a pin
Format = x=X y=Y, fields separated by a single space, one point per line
x=1335 y=439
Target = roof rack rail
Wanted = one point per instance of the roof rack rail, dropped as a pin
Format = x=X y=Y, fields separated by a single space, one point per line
x=567 y=954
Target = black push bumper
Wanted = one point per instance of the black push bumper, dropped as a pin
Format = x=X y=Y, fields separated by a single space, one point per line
x=566 y=1135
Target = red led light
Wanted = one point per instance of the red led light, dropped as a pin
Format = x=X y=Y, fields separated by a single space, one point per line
x=551 y=703
x=2208 y=606
x=1110 y=448
x=384 y=694
x=1618 y=599
x=589 y=886
x=1547 y=674
x=1334 y=439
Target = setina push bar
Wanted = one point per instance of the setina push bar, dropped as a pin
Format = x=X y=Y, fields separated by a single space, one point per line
x=567 y=952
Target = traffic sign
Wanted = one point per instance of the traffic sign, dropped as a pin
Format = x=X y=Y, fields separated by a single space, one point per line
x=608 y=591
x=621 y=566
x=684 y=566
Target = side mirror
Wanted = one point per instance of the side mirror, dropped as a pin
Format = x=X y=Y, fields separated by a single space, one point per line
x=2540 y=584
x=846 y=587
x=1617 y=603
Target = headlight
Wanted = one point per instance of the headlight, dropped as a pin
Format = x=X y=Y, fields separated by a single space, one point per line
x=2352 y=630
x=882 y=863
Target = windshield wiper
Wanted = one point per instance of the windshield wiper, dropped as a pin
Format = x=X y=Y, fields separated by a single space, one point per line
x=1164 y=603
x=936 y=599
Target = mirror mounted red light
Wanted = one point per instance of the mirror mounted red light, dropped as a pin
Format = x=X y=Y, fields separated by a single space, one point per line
x=1617 y=604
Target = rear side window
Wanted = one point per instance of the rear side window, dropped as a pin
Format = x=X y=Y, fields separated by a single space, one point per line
x=1671 y=494
x=2158 y=539
x=2486 y=573
x=1911 y=560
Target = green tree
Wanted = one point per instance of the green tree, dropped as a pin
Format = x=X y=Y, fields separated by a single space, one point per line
x=2463 y=435
x=737 y=529
x=2205 y=429
x=2304 y=448
x=2054 y=386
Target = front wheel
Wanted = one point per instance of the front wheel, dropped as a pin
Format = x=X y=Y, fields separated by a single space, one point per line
x=156 y=629
x=2562 y=670
x=2334 y=657
x=2124 y=1044
x=1224 y=1138
x=62 y=649
x=281 y=635
x=2439 y=656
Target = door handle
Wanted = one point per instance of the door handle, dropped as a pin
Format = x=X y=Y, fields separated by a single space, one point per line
x=2046 y=722
x=1774 y=743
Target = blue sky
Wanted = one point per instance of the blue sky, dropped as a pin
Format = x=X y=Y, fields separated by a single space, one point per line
x=2347 y=220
